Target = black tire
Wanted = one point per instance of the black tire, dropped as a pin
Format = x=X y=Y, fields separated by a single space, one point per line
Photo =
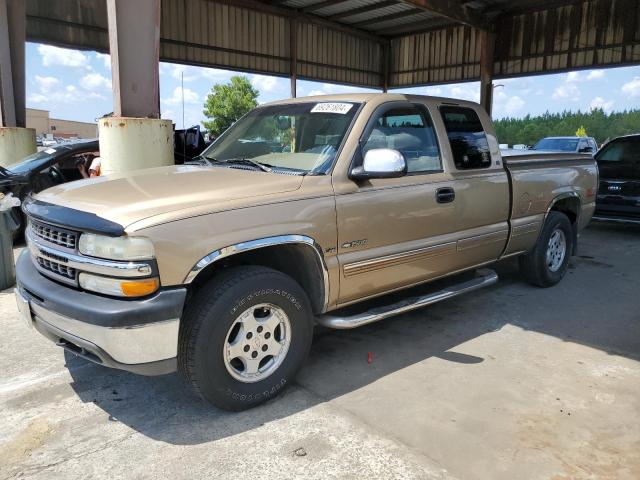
x=205 y=327
x=534 y=266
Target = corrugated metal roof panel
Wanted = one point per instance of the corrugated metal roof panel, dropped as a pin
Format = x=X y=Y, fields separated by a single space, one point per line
x=531 y=40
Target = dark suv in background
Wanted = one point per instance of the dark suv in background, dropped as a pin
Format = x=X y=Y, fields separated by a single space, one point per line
x=619 y=192
x=567 y=144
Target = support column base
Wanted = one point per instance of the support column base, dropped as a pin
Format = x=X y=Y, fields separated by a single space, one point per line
x=128 y=144
x=15 y=144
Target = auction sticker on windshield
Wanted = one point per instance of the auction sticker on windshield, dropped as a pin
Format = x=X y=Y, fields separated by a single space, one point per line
x=340 y=108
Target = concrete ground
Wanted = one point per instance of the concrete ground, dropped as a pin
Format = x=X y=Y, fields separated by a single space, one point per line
x=510 y=382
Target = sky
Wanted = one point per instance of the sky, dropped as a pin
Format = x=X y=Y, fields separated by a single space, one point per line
x=76 y=85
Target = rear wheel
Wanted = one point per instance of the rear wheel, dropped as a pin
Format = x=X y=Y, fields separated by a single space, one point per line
x=244 y=337
x=548 y=262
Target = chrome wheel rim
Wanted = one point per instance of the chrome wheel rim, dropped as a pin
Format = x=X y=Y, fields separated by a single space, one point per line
x=257 y=343
x=556 y=250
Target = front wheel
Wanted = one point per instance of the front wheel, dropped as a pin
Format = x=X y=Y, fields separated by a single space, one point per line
x=548 y=262
x=244 y=337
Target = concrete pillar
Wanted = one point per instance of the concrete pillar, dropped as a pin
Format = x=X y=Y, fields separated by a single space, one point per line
x=487 y=49
x=293 y=55
x=16 y=142
x=134 y=44
x=12 y=68
x=135 y=137
x=134 y=143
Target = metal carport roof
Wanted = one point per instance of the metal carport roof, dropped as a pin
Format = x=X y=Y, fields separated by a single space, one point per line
x=371 y=43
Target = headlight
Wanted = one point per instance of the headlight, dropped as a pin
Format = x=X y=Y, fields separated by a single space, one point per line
x=116 y=248
x=118 y=287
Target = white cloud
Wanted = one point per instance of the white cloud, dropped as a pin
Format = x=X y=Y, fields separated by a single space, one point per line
x=568 y=91
x=507 y=105
x=106 y=59
x=66 y=95
x=433 y=91
x=331 y=89
x=190 y=97
x=595 y=75
x=216 y=74
x=264 y=83
x=632 y=88
x=514 y=104
x=600 y=102
x=465 y=92
x=46 y=84
x=573 y=77
x=189 y=74
x=62 y=56
x=95 y=81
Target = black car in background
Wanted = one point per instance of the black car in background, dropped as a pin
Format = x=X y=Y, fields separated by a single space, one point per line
x=619 y=192
x=567 y=144
x=47 y=168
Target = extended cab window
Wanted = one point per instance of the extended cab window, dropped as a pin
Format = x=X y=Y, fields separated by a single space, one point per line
x=467 y=137
x=410 y=131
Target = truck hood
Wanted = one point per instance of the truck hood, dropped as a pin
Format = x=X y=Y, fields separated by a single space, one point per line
x=129 y=198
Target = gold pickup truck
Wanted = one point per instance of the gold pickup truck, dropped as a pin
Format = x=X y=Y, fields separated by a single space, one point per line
x=304 y=207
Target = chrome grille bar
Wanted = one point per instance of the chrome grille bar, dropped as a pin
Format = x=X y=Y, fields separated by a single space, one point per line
x=55 y=235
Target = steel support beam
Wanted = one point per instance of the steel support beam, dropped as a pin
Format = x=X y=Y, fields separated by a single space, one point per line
x=12 y=67
x=487 y=50
x=386 y=60
x=293 y=54
x=134 y=44
x=453 y=10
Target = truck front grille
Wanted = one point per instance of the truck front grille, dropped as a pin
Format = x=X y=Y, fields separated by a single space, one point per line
x=55 y=235
x=57 y=268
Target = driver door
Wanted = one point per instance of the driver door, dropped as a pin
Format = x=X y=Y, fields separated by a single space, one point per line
x=395 y=232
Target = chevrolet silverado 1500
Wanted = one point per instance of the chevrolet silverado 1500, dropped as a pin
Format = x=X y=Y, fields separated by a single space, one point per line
x=304 y=207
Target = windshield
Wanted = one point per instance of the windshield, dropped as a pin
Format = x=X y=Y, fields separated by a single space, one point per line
x=32 y=162
x=557 y=144
x=303 y=137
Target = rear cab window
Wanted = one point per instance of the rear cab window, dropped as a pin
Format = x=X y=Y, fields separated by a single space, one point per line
x=468 y=140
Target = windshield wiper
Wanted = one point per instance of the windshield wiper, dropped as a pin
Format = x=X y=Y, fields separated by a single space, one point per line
x=247 y=161
x=207 y=160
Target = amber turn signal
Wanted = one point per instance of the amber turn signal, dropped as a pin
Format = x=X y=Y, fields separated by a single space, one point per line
x=139 y=288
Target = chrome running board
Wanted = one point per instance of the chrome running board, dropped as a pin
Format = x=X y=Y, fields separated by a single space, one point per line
x=484 y=278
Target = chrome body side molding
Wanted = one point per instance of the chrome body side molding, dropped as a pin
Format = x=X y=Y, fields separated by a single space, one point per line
x=230 y=250
x=484 y=278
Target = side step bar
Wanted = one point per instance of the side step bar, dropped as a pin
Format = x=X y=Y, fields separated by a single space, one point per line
x=484 y=278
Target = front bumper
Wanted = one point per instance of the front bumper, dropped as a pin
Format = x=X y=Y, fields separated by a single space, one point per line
x=139 y=336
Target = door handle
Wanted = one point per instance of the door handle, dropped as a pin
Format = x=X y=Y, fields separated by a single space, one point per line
x=445 y=195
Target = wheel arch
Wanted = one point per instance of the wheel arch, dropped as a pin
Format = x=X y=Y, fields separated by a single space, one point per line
x=569 y=204
x=298 y=256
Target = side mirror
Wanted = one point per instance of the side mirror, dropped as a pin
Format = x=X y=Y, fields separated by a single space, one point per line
x=380 y=163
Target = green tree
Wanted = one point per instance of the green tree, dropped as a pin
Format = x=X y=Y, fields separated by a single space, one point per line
x=598 y=123
x=227 y=103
